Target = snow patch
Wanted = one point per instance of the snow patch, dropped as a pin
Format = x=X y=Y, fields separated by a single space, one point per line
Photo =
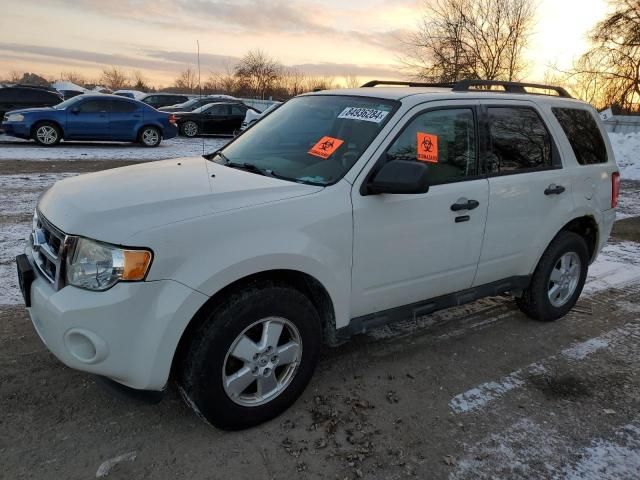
x=15 y=149
x=617 y=265
x=617 y=459
x=626 y=149
x=105 y=468
x=485 y=393
x=513 y=454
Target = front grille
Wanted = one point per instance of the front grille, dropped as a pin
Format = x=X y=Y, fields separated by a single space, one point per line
x=49 y=245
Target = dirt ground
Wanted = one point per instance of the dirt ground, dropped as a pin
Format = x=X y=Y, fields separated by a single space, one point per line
x=474 y=392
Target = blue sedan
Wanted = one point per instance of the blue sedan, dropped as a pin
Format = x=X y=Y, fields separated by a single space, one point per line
x=92 y=117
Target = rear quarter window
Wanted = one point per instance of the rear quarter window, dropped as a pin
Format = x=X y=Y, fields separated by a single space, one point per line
x=583 y=134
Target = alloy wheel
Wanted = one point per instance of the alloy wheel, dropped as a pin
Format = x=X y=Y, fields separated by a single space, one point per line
x=262 y=361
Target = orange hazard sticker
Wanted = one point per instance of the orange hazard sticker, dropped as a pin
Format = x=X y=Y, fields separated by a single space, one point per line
x=325 y=147
x=427 y=147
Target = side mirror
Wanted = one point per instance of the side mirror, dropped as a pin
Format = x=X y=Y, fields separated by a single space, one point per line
x=400 y=176
x=75 y=110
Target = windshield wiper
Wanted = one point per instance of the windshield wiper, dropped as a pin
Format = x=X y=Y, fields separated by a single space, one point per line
x=250 y=167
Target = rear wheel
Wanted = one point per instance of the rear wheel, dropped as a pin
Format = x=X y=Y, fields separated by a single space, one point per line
x=190 y=129
x=47 y=134
x=150 y=137
x=558 y=279
x=252 y=357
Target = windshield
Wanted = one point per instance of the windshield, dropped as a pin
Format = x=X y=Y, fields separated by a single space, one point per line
x=188 y=103
x=312 y=139
x=66 y=103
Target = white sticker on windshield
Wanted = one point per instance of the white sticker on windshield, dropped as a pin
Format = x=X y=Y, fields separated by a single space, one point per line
x=366 y=114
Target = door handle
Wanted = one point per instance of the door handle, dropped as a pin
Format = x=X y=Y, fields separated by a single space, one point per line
x=468 y=205
x=554 y=189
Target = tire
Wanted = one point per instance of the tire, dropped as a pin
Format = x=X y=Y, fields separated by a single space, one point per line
x=238 y=325
x=47 y=134
x=190 y=129
x=150 y=137
x=567 y=259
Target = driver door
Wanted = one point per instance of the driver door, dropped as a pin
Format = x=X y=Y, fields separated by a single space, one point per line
x=413 y=247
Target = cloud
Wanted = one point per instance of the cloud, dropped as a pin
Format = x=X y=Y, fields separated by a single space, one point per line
x=174 y=61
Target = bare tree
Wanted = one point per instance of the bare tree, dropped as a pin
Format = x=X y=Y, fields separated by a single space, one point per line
x=114 y=78
x=293 y=82
x=609 y=72
x=187 y=81
x=73 y=77
x=326 y=82
x=352 y=81
x=258 y=72
x=139 y=81
x=460 y=39
x=15 y=77
x=222 y=82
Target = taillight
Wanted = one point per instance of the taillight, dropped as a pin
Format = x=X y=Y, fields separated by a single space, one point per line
x=172 y=119
x=615 y=189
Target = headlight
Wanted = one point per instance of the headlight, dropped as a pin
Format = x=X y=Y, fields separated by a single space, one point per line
x=15 y=117
x=99 y=266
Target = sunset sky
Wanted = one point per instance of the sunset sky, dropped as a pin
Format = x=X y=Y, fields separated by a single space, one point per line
x=330 y=37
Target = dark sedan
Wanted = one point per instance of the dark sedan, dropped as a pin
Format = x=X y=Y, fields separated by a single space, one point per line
x=191 y=105
x=218 y=118
x=16 y=97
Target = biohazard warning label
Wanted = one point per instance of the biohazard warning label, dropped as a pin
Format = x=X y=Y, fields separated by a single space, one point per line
x=325 y=147
x=427 y=147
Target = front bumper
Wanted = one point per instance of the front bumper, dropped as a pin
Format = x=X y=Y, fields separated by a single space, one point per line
x=16 y=129
x=128 y=333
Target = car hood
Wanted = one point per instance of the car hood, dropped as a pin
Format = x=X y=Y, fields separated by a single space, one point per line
x=32 y=110
x=115 y=204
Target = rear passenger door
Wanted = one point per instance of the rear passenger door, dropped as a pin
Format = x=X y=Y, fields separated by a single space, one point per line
x=529 y=190
x=216 y=119
x=89 y=119
x=124 y=119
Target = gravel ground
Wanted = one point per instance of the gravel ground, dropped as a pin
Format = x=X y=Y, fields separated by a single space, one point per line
x=473 y=392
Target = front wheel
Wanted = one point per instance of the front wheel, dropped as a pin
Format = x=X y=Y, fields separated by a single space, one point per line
x=252 y=356
x=47 y=134
x=150 y=137
x=558 y=279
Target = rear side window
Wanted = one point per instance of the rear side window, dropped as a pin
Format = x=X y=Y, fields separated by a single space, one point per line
x=583 y=134
x=237 y=110
x=94 y=106
x=118 y=106
x=519 y=140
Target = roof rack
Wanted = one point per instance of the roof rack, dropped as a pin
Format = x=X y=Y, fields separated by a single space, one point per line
x=375 y=83
x=467 y=85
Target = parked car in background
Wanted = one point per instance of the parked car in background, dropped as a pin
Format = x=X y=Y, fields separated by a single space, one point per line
x=17 y=97
x=67 y=94
x=219 y=117
x=157 y=100
x=92 y=117
x=191 y=105
x=135 y=94
x=253 y=116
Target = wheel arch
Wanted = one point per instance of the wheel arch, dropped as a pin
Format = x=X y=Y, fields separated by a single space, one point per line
x=303 y=282
x=584 y=225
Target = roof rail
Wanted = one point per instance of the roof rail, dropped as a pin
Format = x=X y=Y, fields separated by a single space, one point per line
x=509 y=87
x=39 y=87
x=467 y=85
x=375 y=83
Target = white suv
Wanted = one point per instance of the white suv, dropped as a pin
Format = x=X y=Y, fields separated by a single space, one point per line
x=339 y=212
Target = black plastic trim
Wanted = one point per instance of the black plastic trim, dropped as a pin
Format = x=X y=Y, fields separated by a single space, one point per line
x=122 y=391
x=367 y=322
